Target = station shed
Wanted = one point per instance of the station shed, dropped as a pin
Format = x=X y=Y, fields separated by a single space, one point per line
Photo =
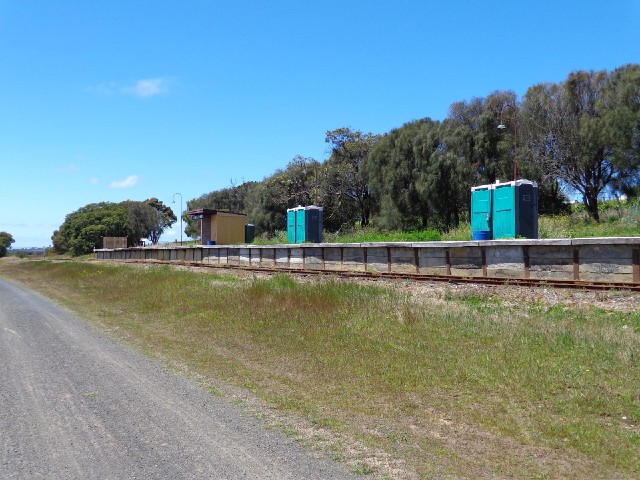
x=219 y=227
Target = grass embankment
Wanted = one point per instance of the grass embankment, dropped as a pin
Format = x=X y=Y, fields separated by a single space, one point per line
x=455 y=385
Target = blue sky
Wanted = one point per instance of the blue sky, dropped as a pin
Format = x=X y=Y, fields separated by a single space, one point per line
x=116 y=100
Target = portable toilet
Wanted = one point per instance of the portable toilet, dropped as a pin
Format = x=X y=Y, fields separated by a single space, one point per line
x=304 y=224
x=291 y=225
x=249 y=232
x=313 y=224
x=481 y=202
x=515 y=209
x=301 y=225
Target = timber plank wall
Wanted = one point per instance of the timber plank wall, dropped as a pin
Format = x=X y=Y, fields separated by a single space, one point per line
x=612 y=259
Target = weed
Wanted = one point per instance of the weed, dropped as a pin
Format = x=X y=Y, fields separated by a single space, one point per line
x=216 y=391
x=362 y=469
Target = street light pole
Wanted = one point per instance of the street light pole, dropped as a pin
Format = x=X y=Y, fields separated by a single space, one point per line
x=502 y=126
x=174 y=201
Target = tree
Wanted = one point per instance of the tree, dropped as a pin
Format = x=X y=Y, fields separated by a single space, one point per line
x=82 y=230
x=586 y=130
x=164 y=219
x=621 y=114
x=349 y=148
x=143 y=221
x=339 y=210
x=6 y=239
x=421 y=174
x=448 y=179
x=487 y=149
x=395 y=168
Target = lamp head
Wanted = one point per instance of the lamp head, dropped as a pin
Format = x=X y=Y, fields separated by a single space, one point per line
x=502 y=126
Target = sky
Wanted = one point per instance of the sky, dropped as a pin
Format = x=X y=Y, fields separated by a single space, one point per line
x=105 y=101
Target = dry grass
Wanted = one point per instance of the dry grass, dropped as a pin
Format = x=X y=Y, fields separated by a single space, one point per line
x=460 y=385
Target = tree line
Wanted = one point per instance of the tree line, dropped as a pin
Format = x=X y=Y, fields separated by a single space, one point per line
x=83 y=230
x=580 y=136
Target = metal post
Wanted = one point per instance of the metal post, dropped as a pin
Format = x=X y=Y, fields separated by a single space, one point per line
x=502 y=126
x=174 y=201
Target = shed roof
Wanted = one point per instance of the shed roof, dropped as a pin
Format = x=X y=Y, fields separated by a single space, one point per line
x=210 y=212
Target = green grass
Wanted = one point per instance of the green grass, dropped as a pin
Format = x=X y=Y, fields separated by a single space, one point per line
x=362 y=235
x=371 y=234
x=459 y=384
x=617 y=219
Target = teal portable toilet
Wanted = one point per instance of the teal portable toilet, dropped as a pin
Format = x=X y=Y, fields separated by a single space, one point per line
x=291 y=225
x=515 y=209
x=313 y=224
x=301 y=225
x=481 y=202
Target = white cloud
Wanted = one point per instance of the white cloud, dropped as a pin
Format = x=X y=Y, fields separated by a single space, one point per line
x=130 y=181
x=93 y=181
x=149 y=87
x=143 y=88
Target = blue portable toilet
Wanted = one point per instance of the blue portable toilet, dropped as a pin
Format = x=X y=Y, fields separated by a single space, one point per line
x=515 y=209
x=481 y=203
x=313 y=224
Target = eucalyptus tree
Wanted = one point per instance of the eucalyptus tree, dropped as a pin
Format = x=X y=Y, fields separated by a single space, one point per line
x=164 y=218
x=585 y=131
x=487 y=149
x=621 y=111
x=396 y=169
x=450 y=175
x=349 y=149
x=143 y=221
x=486 y=154
x=339 y=209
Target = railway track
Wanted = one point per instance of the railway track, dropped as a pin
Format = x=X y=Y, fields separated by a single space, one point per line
x=451 y=279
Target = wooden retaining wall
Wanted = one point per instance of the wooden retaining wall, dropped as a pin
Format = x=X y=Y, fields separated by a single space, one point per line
x=615 y=259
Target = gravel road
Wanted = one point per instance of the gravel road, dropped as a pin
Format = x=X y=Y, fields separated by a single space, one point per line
x=75 y=404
